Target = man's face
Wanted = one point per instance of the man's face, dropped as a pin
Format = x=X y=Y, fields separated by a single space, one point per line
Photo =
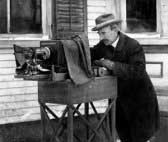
x=108 y=35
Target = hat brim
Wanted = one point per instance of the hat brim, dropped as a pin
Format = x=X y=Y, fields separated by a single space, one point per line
x=101 y=25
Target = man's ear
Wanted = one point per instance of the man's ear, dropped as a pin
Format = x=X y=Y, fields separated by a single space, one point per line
x=114 y=27
x=118 y=28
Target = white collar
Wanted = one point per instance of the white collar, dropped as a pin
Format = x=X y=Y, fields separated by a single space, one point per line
x=114 y=44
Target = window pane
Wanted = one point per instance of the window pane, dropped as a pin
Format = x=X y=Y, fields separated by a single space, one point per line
x=26 y=16
x=3 y=16
x=141 y=16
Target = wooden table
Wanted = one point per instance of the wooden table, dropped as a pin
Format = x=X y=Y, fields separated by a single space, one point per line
x=66 y=93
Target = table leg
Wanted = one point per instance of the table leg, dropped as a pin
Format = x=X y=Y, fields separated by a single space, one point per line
x=112 y=120
x=70 y=125
x=87 y=117
x=43 y=124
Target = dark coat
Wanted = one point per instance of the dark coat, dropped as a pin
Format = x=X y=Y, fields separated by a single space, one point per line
x=137 y=114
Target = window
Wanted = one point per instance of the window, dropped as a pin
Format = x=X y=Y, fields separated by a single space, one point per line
x=140 y=16
x=20 y=16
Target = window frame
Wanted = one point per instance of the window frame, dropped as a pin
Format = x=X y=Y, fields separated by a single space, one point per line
x=46 y=25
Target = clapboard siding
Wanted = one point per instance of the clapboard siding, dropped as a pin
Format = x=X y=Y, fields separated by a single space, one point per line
x=21 y=90
x=95 y=8
x=20 y=112
x=164 y=15
x=17 y=84
x=6 y=51
x=4 y=78
x=7 y=64
x=20 y=118
x=96 y=3
x=163 y=104
x=18 y=98
x=7 y=57
x=18 y=105
x=5 y=71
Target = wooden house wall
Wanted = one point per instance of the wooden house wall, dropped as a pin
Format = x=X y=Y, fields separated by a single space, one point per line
x=18 y=98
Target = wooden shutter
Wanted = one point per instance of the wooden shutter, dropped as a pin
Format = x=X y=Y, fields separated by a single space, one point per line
x=69 y=18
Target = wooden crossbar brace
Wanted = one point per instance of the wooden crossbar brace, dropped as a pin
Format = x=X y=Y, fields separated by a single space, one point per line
x=101 y=120
x=59 y=130
x=71 y=110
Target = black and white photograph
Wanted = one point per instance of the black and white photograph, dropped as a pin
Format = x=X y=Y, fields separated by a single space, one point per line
x=83 y=70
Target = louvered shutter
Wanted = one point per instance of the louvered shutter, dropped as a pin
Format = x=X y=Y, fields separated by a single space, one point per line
x=69 y=18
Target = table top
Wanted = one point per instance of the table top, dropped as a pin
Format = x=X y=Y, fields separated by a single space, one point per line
x=65 y=92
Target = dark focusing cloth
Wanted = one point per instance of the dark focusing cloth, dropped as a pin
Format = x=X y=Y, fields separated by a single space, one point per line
x=77 y=55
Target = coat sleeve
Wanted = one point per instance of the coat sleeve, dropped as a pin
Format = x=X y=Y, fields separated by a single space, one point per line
x=134 y=68
x=96 y=52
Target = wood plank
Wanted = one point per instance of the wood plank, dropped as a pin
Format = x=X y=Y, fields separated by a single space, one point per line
x=66 y=15
x=156 y=49
x=100 y=105
x=67 y=2
x=18 y=105
x=93 y=42
x=66 y=25
x=93 y=16
x=93 y=9
x=77 y=22
x=6 y=51
x=162 y=91
x=63 y=11
x=16 y=119
x=7 y=57
x=67 y=93
x=16 y=91
x=4 y=78
x=96 y=3
x=7 y=64
x=20 y=41
x=94 y=36
x=18 y=98
x=155 y=69
x=74 y=6
x=91 y=24
x=24 y=112
x=163 y=103
x=17 y=84
x=6 y=71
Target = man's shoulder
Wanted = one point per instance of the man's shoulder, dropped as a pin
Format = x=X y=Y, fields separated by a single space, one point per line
x=130 y=43
x=128 y=39
x=131 y=40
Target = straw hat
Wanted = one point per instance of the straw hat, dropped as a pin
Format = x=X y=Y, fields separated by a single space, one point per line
x=104 y=20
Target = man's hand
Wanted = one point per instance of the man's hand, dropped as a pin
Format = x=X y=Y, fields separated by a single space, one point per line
x=105 y=63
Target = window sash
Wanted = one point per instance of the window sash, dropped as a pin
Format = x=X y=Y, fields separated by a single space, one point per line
x=46 y=25
x=122 y=6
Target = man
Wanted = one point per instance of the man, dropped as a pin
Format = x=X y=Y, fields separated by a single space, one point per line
x=137 y=115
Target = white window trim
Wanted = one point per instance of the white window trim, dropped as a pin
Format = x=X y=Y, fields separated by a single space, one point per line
x=46 y=25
